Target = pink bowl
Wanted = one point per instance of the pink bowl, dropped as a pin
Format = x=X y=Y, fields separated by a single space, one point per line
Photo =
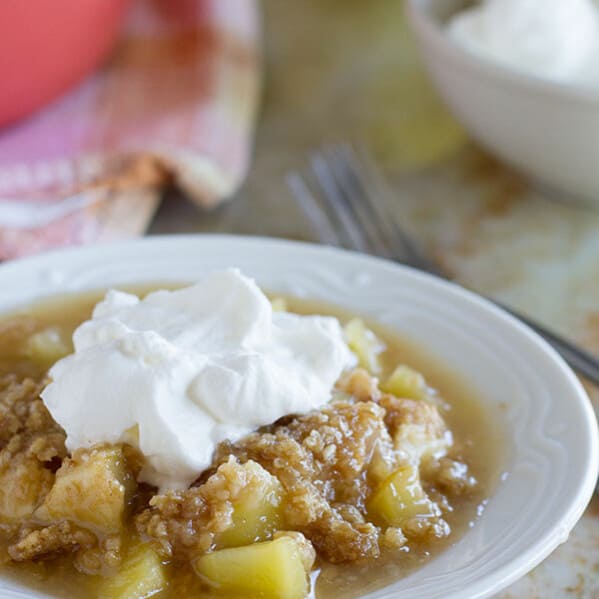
x=48 y=45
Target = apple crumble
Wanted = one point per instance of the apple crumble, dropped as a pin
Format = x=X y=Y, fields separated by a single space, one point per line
x=376 y=481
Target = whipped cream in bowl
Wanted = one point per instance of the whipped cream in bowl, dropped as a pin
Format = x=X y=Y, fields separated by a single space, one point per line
x=553 y=39
x=177 y=372
x=521 y=76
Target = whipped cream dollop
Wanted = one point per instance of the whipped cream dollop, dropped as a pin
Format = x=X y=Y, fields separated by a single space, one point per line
x=179 y=371
x=555 y=39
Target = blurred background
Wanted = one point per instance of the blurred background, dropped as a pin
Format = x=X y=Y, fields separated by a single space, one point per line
x=337 y=71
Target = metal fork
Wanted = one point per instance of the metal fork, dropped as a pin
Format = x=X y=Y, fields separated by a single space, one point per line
x=349 y=211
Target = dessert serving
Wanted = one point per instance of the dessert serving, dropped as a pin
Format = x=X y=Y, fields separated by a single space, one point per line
x=209 y=442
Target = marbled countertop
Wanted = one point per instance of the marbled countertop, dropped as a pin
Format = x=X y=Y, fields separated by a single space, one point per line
x=348 y=69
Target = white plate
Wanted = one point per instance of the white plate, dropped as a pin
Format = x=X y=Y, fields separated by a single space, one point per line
x=551 y=431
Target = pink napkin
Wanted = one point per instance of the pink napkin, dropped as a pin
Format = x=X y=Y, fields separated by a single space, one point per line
x=175 y=104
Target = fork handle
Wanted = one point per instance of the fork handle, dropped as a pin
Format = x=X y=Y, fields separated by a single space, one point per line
x=581 y=361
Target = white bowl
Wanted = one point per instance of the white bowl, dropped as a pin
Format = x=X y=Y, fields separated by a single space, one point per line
x=549 y=131
x=550 y=429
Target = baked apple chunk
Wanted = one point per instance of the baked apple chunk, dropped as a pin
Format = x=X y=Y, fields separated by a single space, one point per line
x=91 y=490
x=277 y=569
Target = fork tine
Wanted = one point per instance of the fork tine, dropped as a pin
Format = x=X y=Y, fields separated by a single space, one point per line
x=360 y=180
x=335 y=201
x=347 y=212
x=397 y=245
x=374 y=185
x=354 y=200
x=357 y=180
x=313 y=210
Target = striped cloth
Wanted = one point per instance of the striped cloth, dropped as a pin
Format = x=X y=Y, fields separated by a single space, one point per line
x=174 y=105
